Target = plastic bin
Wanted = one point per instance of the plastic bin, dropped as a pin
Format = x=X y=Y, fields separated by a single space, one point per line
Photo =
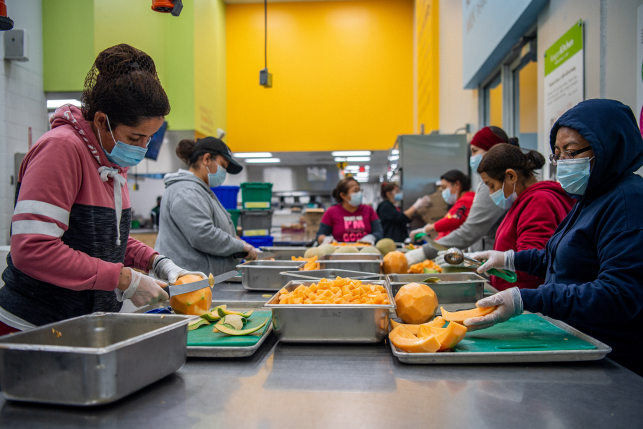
x=256 y=222
x=258 y=241
x=227 y=195
x=234 y=214
x=256 y=195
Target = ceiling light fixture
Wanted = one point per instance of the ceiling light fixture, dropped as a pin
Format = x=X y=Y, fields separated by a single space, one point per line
x=263 y=160
x=54 y=104
x=253 y=155
x=352 y=153
x=358 y=159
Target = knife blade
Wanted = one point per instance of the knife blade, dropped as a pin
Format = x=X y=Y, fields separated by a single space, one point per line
x=201 y=284
x=436 y=245
x=260 y=255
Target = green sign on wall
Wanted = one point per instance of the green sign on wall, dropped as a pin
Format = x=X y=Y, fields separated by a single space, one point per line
x=564 y=48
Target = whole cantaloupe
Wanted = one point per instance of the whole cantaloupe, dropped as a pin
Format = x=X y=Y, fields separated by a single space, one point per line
x=194 y=303
x=386 y=245
x=416 y=303
x=326 y=249
x=347 y=249
x=395 y=263
x=312 y=252
x=370 y=249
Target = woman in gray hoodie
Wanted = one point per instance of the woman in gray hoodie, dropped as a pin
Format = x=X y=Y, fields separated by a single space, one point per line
x=195 y=230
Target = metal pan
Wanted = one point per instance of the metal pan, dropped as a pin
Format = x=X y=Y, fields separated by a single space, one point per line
x=94 y=359
x=332 y=323
x=351 y=257
x=328 y=274
x=362 y=265
x=285 y=253
x=451 y=289
x=265 y=275
x=449 y=358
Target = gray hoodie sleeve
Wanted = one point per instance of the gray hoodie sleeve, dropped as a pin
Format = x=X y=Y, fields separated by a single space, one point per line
x=195 y=221
x=483 y=215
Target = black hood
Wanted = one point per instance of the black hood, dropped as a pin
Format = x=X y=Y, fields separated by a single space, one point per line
x=611 y=129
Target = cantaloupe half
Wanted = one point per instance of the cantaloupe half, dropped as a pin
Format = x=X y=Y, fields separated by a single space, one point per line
x=461 y=316
x=406 y=341
x=438 y=322
x=451 y=336
x=194 y=303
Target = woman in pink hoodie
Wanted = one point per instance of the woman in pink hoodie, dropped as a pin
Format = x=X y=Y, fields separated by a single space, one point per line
x=71 y=253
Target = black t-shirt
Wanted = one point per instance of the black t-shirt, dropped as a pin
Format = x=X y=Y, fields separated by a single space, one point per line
x=394 y=223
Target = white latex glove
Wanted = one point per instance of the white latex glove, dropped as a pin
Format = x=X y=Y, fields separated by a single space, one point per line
x=415 y=256
x=509 y=305
x=251 y=250
x=370 y=239
x=143 y=290
x=165 y=269
x=495 y=259
x=414 y=233
x=328 y=239
x=441 y=262
x=422 y=202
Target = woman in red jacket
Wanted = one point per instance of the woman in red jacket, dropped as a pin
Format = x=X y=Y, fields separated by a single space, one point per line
x=535 y=208
x=456 y=192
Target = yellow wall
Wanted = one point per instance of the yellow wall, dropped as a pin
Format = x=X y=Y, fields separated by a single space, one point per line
x=495 y=106
x=428 y=64
x=342 y=75
x=529 y=98
x=209 y=66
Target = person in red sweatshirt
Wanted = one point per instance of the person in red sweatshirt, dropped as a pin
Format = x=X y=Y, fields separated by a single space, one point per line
x=71 y=253
x=535 y=208
x=456 y=192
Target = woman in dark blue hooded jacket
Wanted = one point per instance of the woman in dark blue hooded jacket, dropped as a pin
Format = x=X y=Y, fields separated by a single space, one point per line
x=593 y=264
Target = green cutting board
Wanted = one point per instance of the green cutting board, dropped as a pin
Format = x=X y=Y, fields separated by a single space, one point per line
x=527 y=332
x=204 y=337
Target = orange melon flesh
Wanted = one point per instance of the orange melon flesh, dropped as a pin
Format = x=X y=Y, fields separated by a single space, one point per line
x=451 y=336
x=194 y=303
x=461 y=316
x=416 y=303
x=404 y=340
x=438 y=322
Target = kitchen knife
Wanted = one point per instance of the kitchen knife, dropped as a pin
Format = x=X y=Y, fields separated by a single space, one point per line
x=191 y=287
x=260 y=255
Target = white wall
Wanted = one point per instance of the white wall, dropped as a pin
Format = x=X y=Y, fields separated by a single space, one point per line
x=144 y=199
x=22 y=103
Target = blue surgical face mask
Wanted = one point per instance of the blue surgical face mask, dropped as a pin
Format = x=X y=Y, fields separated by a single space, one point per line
x=475 y=161
x=356 y=199
x=123 y=154
x=573 y=174
x=499 y=199
x=398 y=196
x=448 y=197
x=217 y=178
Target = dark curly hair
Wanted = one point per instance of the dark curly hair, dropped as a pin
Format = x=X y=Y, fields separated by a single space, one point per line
x=342 y=188
x=454 y=176
x=504 y=156
x=124 y=85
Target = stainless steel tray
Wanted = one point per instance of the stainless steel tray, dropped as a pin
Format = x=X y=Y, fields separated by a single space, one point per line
x=97 y=359
x=265 y=275
x=351 y=257
x=331 y=323
x=452 y=287
x=285 y=253
x=328 y=274
x=510 y=357
x=363 y=265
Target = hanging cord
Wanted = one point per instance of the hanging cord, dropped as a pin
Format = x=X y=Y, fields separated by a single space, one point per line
x=265 y=27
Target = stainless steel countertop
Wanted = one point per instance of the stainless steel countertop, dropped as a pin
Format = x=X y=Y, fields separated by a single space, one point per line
x=305 y=386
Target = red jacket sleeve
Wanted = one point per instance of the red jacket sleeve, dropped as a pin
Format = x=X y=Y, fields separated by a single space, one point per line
x=138 y=255
x=51 y=175
x=456 y=217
